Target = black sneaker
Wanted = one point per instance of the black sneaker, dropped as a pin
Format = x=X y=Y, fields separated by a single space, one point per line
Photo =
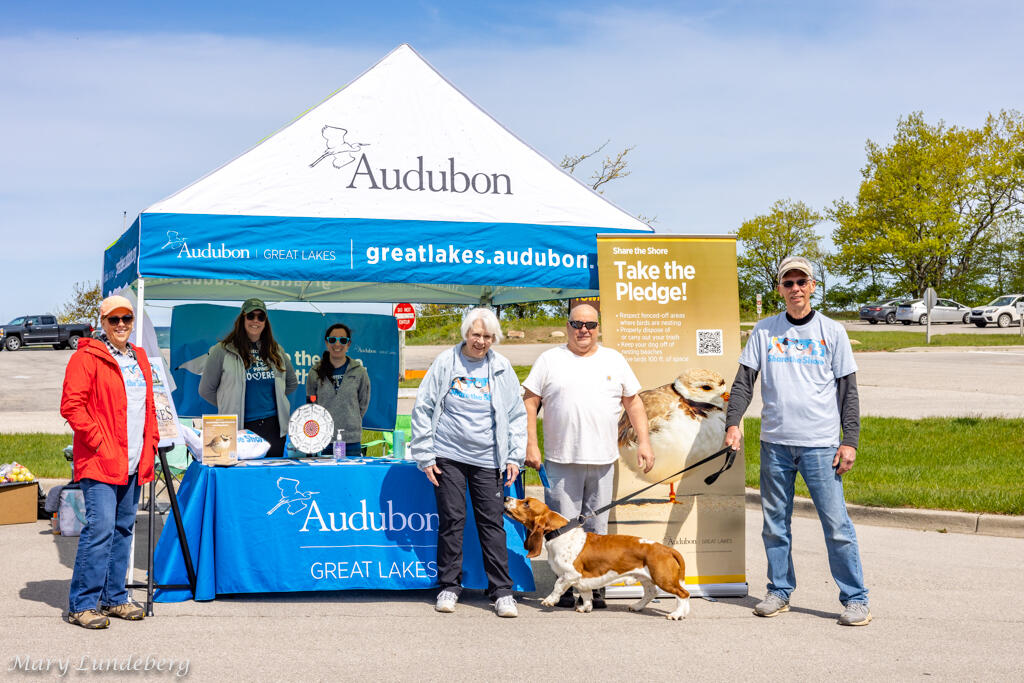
x=598 y=599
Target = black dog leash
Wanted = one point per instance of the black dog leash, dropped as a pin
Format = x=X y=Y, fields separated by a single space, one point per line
x=709 y=480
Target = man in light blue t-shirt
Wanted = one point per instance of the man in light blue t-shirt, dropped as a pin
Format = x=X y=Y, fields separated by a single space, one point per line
x=809 y=391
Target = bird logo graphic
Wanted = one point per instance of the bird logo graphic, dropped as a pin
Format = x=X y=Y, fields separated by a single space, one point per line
x=338 y=147
x=291 y=496
x=174 y=240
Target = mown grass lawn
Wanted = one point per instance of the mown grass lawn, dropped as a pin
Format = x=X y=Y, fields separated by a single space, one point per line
x=963 y=463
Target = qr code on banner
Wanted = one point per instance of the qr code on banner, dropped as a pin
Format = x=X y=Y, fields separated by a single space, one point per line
x=709 y=342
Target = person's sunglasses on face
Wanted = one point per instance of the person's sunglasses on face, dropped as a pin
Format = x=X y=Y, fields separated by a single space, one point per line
x=116 y=320
x=579 y=325
x=337 y=340
x=788 y=284
x=256 y=315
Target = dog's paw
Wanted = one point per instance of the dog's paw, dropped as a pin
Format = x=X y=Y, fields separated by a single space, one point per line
x=585 y=607
x=637 y=607
x=675 y=617
x=549 y=601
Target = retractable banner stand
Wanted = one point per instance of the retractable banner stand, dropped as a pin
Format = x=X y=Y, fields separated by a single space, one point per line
x=670 y=305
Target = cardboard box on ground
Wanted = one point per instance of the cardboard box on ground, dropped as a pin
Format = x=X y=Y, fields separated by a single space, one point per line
x=19 y=502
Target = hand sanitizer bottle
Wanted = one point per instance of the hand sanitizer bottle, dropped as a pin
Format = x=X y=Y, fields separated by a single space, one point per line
x=339 y=446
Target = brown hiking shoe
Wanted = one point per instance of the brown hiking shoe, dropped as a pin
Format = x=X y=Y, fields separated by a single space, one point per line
x=131 y=610
x=89 y=618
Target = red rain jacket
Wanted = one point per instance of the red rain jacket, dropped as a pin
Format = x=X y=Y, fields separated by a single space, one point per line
x=95 y=405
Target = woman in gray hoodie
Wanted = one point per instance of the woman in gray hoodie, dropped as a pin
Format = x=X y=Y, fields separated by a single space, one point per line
x=342 y=386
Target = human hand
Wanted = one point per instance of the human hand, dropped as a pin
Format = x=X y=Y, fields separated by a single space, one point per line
x=645 y=457
x=432 y=472
x=511 y=473
x=533 y=457
x=843 y=462
x=733 y=438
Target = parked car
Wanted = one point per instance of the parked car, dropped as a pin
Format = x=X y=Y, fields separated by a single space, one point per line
x=944 y=311
x=880 y=311
x=42 y=329
x=1002 y=311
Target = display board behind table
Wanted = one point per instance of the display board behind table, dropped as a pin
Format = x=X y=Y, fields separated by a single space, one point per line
x=278 y=525
x=670 y=305
x=197 y=327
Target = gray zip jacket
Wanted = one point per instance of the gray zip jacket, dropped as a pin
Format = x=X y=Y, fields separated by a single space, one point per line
x=507 y=409
x=348 y=403
x=223 y=383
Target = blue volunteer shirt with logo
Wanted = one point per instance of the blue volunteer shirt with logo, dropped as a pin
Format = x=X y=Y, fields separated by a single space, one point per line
x=260 y=402
x=799 y=367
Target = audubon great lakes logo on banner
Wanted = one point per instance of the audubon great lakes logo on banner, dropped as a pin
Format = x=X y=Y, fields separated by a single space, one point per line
x=425 y=175
x=178 y=243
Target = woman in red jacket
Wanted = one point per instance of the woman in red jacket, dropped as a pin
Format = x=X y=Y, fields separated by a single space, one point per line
x=108 y=402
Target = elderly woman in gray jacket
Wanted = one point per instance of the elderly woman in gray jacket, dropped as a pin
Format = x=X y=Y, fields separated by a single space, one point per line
x=248 y=374
x=469 y=431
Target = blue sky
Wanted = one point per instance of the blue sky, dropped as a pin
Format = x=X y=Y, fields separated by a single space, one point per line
x=107 y=107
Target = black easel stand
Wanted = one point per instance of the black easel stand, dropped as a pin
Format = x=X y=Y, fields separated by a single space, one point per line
x=182 y=541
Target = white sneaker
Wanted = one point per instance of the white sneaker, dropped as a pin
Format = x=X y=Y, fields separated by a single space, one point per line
x=505 y=606
x=446 y=600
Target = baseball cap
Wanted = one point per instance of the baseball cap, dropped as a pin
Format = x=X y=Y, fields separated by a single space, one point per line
x=115 y=303
x=251 y=305
x=795 y=263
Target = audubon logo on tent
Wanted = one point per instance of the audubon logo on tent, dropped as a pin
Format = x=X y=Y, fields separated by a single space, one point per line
x=175 y=241
x=445 y=178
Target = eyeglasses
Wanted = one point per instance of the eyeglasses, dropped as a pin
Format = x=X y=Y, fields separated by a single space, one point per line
x=788 y=284
x=579 y=325
x=256 y=315
x=116 y=320
x=337 y=340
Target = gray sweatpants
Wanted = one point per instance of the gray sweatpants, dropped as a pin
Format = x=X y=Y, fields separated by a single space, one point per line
x=580 y=488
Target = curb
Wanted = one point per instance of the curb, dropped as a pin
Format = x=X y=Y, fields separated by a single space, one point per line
x=943 y=521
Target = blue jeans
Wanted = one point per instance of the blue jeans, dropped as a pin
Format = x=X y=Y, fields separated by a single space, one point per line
x=104 y=547
x=779 y=465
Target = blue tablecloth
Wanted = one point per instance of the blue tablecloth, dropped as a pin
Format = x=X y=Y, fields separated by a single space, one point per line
x=277 y=525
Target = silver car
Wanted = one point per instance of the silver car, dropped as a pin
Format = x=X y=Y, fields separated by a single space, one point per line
x=944 y=311
x=1001 y=312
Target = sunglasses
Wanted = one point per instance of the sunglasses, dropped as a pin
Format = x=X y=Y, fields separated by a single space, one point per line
x=337 y=340
x=256 y=315
x=788 y=284
x=579 y=325
x=116 y=320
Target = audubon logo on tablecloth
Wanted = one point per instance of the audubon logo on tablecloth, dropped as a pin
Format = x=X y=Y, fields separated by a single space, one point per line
x=361 y=519
x=292 y=498
x=443 y=177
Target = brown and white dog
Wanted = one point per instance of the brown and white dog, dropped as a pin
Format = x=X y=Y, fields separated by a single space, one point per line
x=588 y=561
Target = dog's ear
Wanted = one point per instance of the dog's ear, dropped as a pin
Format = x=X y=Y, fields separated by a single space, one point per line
x=534 y=541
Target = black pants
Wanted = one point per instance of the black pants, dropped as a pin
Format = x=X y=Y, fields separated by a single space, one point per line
x=270 y=429
x=485 y=492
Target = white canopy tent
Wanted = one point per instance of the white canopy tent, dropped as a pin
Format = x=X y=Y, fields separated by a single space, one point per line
x=395 y=188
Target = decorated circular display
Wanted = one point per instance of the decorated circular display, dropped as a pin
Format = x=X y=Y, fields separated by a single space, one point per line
x=311 y=428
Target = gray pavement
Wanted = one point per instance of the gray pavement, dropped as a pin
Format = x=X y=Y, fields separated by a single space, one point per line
x=946 y=607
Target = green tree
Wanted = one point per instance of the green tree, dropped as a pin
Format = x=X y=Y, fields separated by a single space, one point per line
x=786 y=230
x=929 y=206
x=83 y=306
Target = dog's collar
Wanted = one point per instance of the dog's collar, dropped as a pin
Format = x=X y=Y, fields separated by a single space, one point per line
x=555 y=533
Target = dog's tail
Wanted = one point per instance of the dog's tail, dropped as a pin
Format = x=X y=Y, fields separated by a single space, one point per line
x=679 y=559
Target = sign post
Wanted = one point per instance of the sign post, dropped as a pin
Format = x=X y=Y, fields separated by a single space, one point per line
x=930 y=297
x=1020 y=316
x=758 y=306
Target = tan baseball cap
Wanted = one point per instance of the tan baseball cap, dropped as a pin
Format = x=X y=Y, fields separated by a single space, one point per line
x=115 y=303
x=795 y=263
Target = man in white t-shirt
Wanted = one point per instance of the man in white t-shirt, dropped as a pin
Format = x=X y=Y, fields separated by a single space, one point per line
x=583 y=387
